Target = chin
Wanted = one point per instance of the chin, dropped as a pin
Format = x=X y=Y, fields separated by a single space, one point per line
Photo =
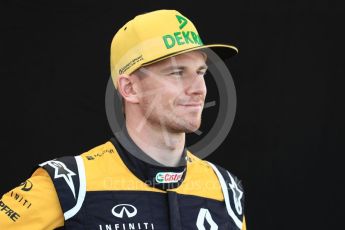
x=192 y=127
x=190 y=131
x=188 y=125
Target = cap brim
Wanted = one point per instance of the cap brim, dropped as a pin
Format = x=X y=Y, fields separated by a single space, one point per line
x=222 y=50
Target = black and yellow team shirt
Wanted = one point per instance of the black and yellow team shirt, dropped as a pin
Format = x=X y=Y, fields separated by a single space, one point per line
x=108 y=188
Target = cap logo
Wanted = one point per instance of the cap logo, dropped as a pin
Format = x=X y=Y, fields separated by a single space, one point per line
x=186 y=37
x=183 y=21
x=181 y=37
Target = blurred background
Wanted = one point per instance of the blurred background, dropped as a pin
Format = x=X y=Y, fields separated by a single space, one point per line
x=288 y=134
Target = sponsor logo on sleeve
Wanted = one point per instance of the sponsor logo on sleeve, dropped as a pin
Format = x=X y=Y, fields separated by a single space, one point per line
x=237 y=195
x=9 y=212
x=99 y=154
x=20 y=199
x=26 y=185
x=61 y=171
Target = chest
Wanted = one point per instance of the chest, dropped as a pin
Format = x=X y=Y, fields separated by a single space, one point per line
x=132 y=210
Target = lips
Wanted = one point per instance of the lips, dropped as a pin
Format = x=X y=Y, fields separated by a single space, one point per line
x=192 y=105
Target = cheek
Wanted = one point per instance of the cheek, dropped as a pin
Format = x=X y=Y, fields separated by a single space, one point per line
x=162 y=95
x=161 y=100
x=168 y=100
x=148 y=92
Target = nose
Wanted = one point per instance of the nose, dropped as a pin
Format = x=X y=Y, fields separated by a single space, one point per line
x=196 y=86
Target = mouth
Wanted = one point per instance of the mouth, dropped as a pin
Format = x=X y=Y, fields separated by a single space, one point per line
x=192 y=105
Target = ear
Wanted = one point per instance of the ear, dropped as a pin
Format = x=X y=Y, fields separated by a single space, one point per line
x=125 y=85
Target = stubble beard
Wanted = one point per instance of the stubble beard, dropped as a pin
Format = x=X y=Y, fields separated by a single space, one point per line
x=171 y=122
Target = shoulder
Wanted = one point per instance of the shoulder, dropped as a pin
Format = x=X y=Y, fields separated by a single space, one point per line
x=21 y=208
x=230 y=184
x=69 y=177
x=99 y=151
x=75 y=164
x=211 y=167
x=231 y=188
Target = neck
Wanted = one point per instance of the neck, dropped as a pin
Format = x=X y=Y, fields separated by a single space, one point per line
x=160 y=144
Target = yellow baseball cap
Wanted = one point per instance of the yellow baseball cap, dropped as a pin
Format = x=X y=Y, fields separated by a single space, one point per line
x=154 y=36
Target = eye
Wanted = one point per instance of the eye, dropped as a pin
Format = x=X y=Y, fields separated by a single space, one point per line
x=179 y=73
x=202 y=73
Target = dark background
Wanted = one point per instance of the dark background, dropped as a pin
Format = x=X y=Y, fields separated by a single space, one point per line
x=288 y=134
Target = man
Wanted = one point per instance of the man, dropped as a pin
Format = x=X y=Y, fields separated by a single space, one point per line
x=144 y=178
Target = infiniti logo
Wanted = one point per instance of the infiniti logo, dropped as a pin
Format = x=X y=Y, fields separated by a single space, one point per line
x=119 y=209
x=26 y=186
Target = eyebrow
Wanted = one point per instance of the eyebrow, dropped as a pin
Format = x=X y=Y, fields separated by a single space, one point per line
x=181 y=67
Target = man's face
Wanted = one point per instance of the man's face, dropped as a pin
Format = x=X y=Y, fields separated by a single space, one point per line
x=172 y=92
